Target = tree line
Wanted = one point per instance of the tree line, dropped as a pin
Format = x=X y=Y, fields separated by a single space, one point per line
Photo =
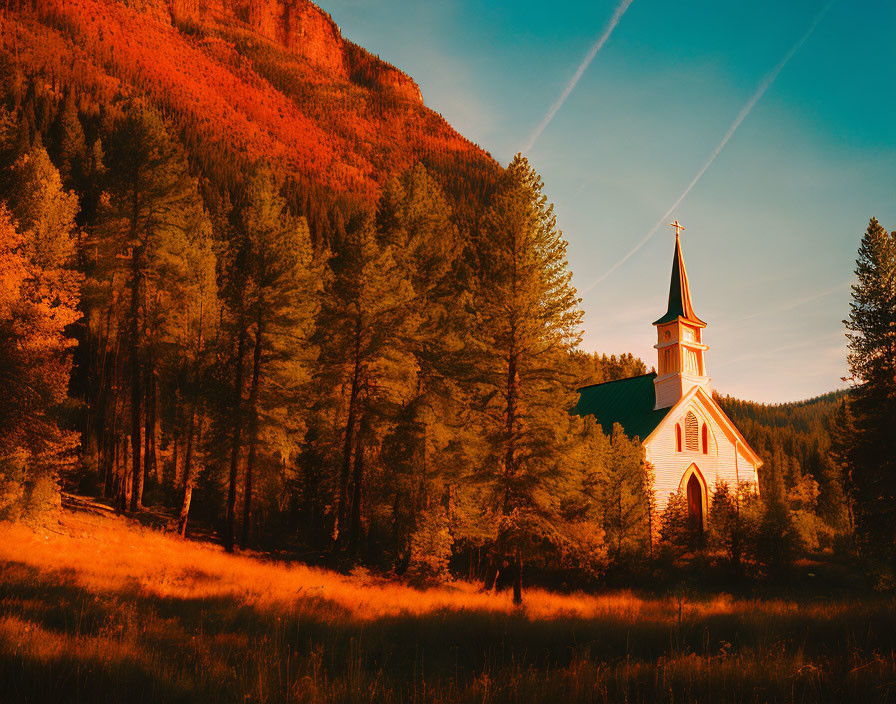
x=395 y=393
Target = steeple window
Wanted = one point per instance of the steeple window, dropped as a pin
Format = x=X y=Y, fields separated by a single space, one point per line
x=690 y=432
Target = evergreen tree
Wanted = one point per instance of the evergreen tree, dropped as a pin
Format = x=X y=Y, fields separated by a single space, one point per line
x=624 y=487
x=152 y=208
x=675 y=535
x=734 y=520
x=39 y=300
x=423 y=452
x=279 y=303
x=365 y=318
x=872 y=362
x=777 y=539
x=842 y=432
x=70 y=144
x=527 y=322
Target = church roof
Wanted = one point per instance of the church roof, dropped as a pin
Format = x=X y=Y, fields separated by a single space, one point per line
x=628 y=402
x=679 y=292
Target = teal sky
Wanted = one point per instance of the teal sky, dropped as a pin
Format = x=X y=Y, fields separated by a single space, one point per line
x=774 y=222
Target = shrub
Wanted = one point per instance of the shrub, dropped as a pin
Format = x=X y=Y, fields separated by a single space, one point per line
x=675 y=533
x=43 y=499
x=431 y=544
x=12 y=473
x=777 y=539
x=585 y=548
x=733 y=521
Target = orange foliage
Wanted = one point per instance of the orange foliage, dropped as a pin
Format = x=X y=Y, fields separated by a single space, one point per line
x=232 y=89
x=107 y=554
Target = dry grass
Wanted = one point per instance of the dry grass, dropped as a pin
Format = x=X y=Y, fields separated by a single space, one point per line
x=101 y=609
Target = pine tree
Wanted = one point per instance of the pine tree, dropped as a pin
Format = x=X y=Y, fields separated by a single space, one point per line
x=69 y=142
x=842 y=432
x=872 y=362
x=623 y=489
x=527 y=322
x=675 y=535
x=777 y=540
x=424 y=452
x=188 y=355
x=364 y=319
x=734 y=520
x=39 y=300
x=281 y=303
x=152 y=208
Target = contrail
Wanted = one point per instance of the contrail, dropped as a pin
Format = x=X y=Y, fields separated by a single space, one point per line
x=741 y=116
x=596 y=47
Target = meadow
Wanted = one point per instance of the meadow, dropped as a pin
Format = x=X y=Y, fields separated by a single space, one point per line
x=99 y=608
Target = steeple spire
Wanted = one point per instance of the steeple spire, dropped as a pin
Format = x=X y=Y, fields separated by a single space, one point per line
x=680 y=350
x=679 y=290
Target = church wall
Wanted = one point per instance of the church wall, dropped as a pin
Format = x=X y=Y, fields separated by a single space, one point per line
x=722 y=462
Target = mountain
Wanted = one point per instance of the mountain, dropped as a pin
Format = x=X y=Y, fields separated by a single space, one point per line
x=243 y=80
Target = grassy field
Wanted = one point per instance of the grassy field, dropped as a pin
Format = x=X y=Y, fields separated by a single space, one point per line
x=98 y=608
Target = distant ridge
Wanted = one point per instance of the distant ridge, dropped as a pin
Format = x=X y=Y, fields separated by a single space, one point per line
x=244 y=80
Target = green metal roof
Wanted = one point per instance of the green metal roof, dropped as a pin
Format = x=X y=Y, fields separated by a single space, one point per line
x=628 y=402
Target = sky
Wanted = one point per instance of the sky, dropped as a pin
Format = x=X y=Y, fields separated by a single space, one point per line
x=767 y=128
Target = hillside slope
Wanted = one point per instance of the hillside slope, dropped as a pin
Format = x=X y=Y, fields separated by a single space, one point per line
x=242 y=80
x=96 y=608
x=794 y=442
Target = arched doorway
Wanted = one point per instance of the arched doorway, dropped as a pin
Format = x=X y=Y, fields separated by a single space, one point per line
x=695 y=504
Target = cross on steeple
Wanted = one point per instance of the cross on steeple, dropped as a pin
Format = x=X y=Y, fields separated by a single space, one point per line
x=678 y=227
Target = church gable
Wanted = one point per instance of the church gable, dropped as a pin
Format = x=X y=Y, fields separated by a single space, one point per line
x=697 y=434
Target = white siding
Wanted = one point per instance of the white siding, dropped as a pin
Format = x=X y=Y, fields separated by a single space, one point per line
x=721 y=463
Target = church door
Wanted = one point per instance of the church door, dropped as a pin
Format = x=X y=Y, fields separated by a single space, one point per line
x=695 y=504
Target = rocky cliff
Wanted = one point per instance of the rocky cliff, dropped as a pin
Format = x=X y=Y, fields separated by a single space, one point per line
x=306 y=30
x=240 y=81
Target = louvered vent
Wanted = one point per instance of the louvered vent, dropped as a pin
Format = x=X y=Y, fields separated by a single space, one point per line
x=690 y=431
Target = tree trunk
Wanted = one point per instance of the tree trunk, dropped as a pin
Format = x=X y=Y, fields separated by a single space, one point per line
x=253 y=433
x=230 y=528
x=341 y=517
x=156 y=429
x=518 y=578
x=149 y=414
x=136 y=391
x=188 y=476
x=495 y=561
x=357 y=494
x=127 y=485
x=176 y=441
x=491 y=573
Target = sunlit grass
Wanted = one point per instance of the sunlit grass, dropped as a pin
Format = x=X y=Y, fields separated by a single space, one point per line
x=101 y=609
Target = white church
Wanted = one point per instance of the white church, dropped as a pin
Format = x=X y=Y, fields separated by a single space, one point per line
x=687 y=437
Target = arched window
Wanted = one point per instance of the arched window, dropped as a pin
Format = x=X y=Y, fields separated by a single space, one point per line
x=677 y=437
x=690 y=432
x=705 y=439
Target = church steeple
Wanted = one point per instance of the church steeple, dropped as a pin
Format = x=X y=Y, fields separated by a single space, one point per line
x=679 y=290
x=680 y=349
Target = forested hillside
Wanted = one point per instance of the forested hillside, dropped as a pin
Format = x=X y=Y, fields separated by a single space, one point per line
x=794 y=441
x=237 y=81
